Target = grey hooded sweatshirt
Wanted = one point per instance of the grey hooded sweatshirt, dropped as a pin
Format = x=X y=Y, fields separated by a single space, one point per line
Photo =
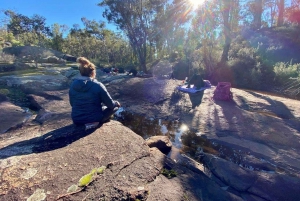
x=86 y=95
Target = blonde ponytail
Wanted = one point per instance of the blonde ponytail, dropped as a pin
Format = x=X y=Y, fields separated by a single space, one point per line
x=86 y=68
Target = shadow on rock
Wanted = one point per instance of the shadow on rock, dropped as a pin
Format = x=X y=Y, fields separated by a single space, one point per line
x=196 y=98
x=50 y=141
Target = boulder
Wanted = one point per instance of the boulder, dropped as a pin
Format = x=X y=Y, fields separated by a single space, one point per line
x=50 y=164
x=230 y=173
x=11 y=116
x=23 y=66
x=43 y=115
x=52 y=59
x=265 y=185
x=163 y=143
x=276 y=187
x=43 y=60
x=37 y=82
x=70 y=58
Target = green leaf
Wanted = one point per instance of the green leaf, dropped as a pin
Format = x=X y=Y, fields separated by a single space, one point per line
x=93 y=171
x=85 y=180
x=72 y=188
x=100 y=170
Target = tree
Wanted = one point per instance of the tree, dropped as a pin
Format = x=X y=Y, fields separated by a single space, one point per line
x=170 y=27
x=229 y=10
x=135 y=18
x=257 y=13
x=35 y=26
x=57 y=36
x=293 y=13
x=271 y=6
x=280 y=12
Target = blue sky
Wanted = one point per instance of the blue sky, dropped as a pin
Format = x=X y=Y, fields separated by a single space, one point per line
x=67 y=12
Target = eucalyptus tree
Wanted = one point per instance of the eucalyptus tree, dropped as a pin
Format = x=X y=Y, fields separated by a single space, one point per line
x=135 y=18
x=206 y=27
x=172 y=26
x=80 y=43
x=270 y=12
x=57 y=32
x=20 y=24
x=280 y=12
x=230 y=18
x=95 y=42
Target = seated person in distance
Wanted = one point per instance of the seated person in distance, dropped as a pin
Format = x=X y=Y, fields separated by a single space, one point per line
x=133 y=71
x=87 y=96
x=197 y=81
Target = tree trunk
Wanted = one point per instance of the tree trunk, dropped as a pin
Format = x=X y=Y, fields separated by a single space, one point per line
x=226 y=30
x=258 y=8
x=226 y=48
x=280 y=13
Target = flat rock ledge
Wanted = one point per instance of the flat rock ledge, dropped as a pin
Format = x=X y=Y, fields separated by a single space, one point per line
x=44 y=167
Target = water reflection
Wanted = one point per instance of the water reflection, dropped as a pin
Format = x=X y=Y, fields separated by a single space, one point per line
x=188 y=142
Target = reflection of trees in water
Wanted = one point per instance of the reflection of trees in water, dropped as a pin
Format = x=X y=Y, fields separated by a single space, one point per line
x=192 y=144
x=148 y=127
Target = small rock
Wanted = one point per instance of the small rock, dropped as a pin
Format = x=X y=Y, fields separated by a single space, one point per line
x=38 y=195
x=163 y=143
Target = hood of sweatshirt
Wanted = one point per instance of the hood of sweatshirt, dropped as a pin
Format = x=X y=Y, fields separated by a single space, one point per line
x=82 y=83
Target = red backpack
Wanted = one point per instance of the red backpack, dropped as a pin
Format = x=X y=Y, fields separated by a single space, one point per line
x=223 y=91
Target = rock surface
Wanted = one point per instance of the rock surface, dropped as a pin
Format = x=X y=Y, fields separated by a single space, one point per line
x=57 y=159
x=45 y=158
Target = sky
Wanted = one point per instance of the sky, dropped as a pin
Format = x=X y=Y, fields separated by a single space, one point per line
x=66 y=12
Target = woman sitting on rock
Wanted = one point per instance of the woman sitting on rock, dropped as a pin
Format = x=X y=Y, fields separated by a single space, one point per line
x=87 y=96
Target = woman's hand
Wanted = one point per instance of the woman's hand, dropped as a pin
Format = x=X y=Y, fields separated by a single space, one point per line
x=117 y=104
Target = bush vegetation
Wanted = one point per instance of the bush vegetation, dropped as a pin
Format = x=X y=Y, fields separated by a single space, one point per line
x=256 y=56
x=6 y=58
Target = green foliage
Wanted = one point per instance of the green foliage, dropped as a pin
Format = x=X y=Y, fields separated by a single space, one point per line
x=4 y=92
x=168 y=173
x=245 y=75
x=174 y=56
x=6 y=58
x=20 y=24
x=72 y=188
x=15 y=95
x=88 y=178
x=205 y=59
x=100 y=170
x=181 y=70
x=136 y=19
x=85 y=180
x=185 y=197
x=284 y=71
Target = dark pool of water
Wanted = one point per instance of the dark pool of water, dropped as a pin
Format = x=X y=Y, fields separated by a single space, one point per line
x=186 y=141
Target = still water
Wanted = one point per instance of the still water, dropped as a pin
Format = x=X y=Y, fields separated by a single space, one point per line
x=184 y=140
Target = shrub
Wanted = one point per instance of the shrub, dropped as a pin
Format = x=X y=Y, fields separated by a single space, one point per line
x=246 y=73
x=284 y=71
x=204 y=60
x=174 y=56
x=6 y=58
x=181 y=70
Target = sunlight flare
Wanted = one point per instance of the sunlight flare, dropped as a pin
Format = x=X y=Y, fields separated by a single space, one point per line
x=184 y=127
x=196 y=3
